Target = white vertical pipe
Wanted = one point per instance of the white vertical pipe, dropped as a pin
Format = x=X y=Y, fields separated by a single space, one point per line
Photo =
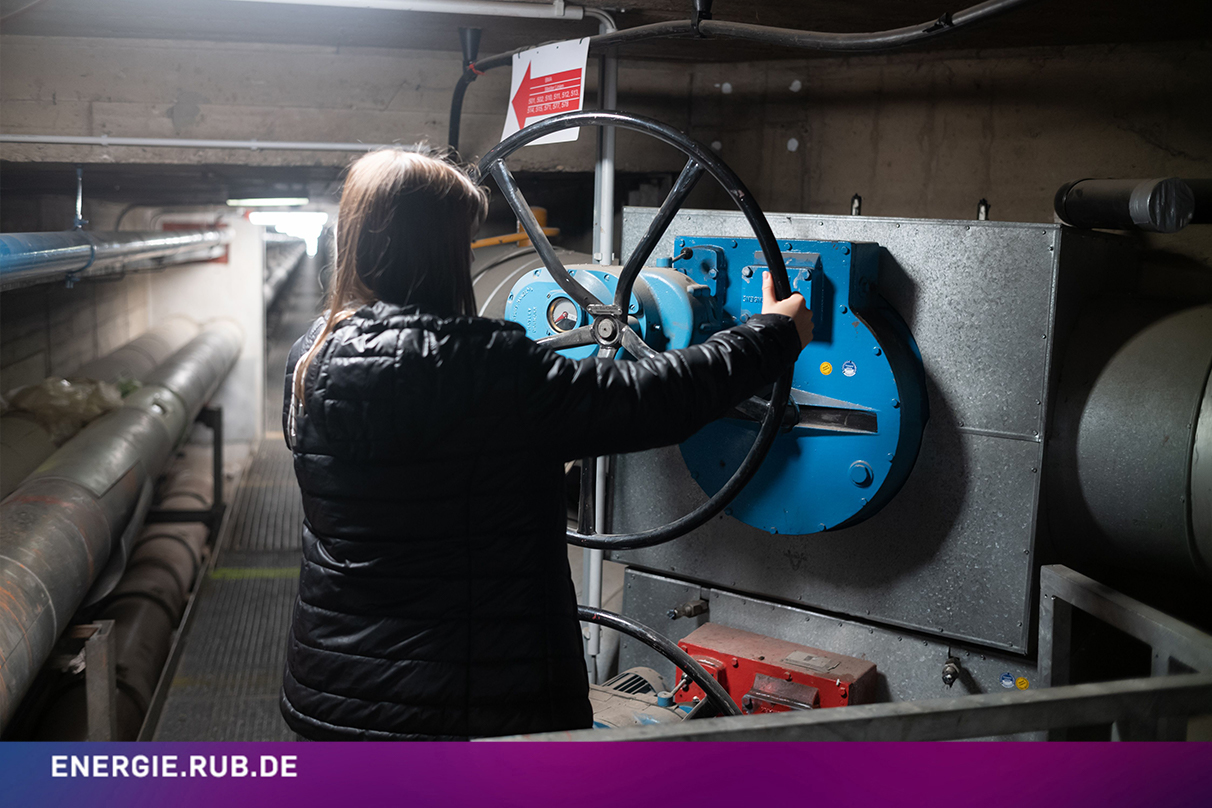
x=603 y=176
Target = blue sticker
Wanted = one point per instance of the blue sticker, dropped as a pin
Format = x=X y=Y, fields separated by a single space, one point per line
x=849 y=368
x=1007 y=681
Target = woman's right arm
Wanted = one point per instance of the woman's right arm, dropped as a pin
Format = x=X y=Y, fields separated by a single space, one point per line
x=594 y=407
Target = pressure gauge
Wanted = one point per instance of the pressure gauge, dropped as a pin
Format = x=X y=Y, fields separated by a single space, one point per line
x=562 y=315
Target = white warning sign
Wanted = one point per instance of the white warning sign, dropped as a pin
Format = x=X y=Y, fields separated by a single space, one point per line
x=547 y=81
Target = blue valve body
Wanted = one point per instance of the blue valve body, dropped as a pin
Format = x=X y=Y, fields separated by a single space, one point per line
x=859 y=386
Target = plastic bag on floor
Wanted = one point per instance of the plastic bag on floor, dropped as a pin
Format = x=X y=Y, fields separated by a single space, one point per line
x=63 y=407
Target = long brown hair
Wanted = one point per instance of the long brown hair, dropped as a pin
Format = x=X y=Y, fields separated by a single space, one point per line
x=404 y=232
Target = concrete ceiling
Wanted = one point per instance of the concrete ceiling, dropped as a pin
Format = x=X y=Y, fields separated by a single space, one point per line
x=1047 y=22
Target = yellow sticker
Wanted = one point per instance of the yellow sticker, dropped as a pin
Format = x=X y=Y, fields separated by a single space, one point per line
x=1021 y=683
x=826 y=368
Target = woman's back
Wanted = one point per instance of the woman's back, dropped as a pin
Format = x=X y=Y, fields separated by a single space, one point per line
x=435 y=599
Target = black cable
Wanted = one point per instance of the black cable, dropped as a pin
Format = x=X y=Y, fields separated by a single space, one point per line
x=779 y=37
x=666 y=648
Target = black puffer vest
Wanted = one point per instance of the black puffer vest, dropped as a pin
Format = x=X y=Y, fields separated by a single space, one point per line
x=435 y=600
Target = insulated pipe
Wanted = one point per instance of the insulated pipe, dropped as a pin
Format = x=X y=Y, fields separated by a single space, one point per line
x=59 y=529
x=27 y=258
x=146 y=607
x=1164 y=205
x=24 y=444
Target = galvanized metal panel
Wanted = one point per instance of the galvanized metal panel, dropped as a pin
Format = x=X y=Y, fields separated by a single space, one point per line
x=976 y=295
x=949 y=555
x=910 y=666
x=952 y=553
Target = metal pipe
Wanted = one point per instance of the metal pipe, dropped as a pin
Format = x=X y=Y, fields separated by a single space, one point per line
x=189 y=143
x=29 y=258
x=24 y=444
x=558 y=10
x=1164 y=205
x=59 y=528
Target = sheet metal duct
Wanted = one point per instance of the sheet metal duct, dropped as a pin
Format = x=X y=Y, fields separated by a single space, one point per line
x=1130 y=463
x=60 y=530
x=31 y=258
x=24 y=444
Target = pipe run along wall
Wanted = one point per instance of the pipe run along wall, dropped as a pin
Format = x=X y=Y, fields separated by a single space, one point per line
x=24 y=444
x=59 y=529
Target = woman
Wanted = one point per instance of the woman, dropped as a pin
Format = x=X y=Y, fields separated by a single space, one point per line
x=435 y=599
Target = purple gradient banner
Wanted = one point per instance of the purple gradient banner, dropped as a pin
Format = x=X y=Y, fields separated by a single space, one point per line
x=617 y=775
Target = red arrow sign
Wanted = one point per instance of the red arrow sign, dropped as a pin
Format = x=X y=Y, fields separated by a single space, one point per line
x=546 y=95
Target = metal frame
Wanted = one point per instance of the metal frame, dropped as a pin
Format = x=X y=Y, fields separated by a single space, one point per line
x=100 y=678
x=1177 y=647
x=1151 y=708
x=991 y=714
x=212 y=517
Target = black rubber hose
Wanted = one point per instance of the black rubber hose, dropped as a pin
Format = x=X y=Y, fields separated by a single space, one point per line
x=666 y=648
x=456 y=107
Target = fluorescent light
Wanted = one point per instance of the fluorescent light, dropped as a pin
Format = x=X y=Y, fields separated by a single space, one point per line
x=304 y=224
x=273 y=201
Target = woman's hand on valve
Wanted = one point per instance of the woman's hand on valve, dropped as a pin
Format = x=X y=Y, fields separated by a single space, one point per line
x=793 y=307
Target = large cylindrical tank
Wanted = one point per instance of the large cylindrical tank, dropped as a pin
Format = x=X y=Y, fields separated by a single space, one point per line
x=1130 y=455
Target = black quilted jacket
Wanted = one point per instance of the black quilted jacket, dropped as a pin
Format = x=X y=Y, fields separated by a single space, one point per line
x=435 y=600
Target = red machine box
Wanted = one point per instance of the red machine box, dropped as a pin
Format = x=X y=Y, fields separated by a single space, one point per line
x=765 y=675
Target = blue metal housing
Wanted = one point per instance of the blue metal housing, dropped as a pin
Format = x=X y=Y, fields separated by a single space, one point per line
x=859 y=386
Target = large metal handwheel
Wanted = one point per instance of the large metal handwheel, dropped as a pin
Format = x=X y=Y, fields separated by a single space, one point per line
x=609 y=328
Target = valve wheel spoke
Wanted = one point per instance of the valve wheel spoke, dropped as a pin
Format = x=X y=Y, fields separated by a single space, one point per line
x=517 y=202
x=656 y=230
x=569 y=339
x=635 y=345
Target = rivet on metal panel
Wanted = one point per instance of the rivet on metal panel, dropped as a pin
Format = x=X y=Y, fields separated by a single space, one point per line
x=895 y=404
x=843 y=309
x=876 y=350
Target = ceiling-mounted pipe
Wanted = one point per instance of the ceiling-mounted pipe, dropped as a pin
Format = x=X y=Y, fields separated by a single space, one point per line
x=193 y=143
x=558 y=10
x=59 y=528
x=29 y=258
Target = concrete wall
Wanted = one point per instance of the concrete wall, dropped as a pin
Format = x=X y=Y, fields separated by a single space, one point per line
x=233 y=290
x=51 y=330
x=928 y=135
x=152 y=88
x=915 y=134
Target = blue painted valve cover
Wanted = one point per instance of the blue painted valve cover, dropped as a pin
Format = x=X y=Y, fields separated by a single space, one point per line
x=858 y=388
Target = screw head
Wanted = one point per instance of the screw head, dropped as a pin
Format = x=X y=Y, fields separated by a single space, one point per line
x=747 y=272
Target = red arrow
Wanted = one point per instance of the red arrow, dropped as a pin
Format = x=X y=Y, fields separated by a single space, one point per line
x=522 y=98
x=543 y=91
